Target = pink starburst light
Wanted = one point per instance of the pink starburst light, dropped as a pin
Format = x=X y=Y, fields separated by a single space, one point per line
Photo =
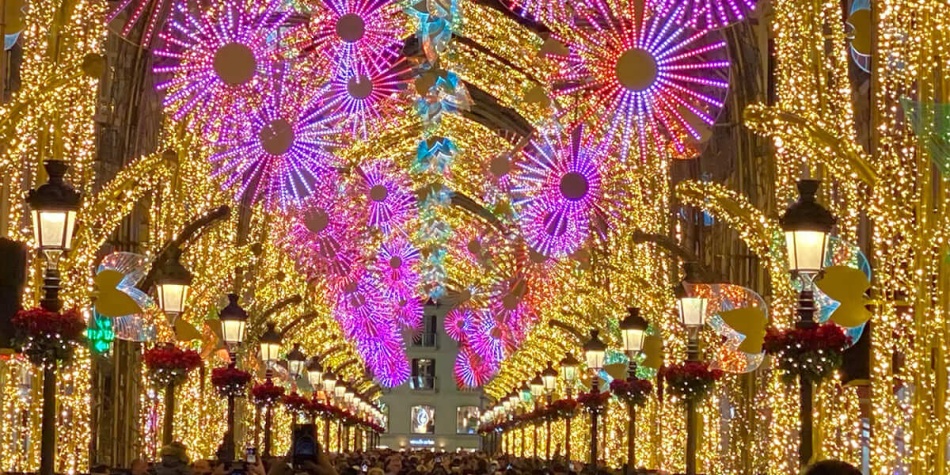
x=322 y=234
x=218 y=57
x=708 y=14
x=368 y=97
x=490 y=338
x=409 y=311
x=344 y=35
x=552 y=230
x=471 y=370
x=150 y=12
x=648 y=78
x=562 y=171
x=458 y=323
x=389 y=197
x=279 y=153
x=396 y=265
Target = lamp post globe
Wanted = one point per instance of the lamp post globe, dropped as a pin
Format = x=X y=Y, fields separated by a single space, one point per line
x=633 y=330
x=53 y=207
x=807 y=225
x=270 y=344
x=549 y=377
x=315 y=373
x=296 y=362
x=595 y=350
x=172 y=284
x=233 y=322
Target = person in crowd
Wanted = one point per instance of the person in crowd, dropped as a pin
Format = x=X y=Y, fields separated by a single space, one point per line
x=201 y=467
x=138 y=467
x=174 y=460
x=832 y=467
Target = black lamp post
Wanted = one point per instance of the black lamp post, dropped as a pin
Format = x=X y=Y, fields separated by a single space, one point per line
x=633 y=330
x=807 y=225
x=233 y=325
x=569 y=371
x=296 y=363
x=537 y=391
x=549 y=379
x=270 y=344
x=54 y=206
x=594 y=352
x=692 y=313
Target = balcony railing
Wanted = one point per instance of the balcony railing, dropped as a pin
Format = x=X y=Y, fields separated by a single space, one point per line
x=425 y=340
x=423 y=383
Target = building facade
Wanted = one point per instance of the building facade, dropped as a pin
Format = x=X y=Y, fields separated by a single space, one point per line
x=430 y=411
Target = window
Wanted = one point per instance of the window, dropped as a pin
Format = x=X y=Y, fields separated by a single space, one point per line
x=466 y=419
x=423 y=419
x=426 y=337
x=423 y=374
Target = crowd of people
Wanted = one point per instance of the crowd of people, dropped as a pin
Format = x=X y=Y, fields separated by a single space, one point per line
x=174 y=461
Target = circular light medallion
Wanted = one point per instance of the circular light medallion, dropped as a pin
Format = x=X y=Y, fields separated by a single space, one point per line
x=277 y=137
x=475 y=247
x=636 y=70
x=350 y=28
x=316 y=220
x=574 y=186
x=395 y=262
x=500 y=166
x=510 y=302
x=235 y=64
x=359 y=87
x=378 y=193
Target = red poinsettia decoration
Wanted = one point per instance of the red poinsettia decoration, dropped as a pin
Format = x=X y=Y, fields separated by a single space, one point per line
x=811 y=353
x=168 y=364
x=315 y=406
x=295 y=403
x=690 y=380
x=633 y=390
x=46 y=336
x=594 y=401
x=230 y=381
x=564 y=408
x=266 y=394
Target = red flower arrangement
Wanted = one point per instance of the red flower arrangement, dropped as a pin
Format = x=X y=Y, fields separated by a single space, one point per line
x=315 y=406
x=564 y=408
x=811 y=353
x=295 y=403
x=47 y=337
x=168 y=364
x=633 y=390
x=266 y=394
x=230 y=381
x=690 y=380
x=594 y=401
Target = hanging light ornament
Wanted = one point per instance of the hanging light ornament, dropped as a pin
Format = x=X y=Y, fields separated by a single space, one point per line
x=558 y=189
x=215 y=60
x=390 y=201
x=370 y=98
x=396 y=264
x=279 y=153
x=658 y=83
x=345 y=36
x=706 y=14
x=471 y=370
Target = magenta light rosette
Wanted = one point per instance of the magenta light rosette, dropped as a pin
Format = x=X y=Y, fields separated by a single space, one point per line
x=409 y=311
x=558 y=190
x=706 y=14
x=369 y=97
x=650 y=79
x=490 y=338
x=216 y=59
x=280 y=153
x=459 y=323
x=471 y=370
x=397 y=265
x=151 y=12
x=323 y=233
x=344 y=35
x=390 y=200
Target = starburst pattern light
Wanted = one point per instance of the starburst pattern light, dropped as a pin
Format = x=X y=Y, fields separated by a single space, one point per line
x=149 y=11
x=653 y=80
x=347 y=35
x=369 y=96
x=279 y=154
x=217 y=59
x=390 y=200
x=707 y=14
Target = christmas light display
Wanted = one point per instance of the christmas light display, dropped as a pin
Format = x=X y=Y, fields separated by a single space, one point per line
x=656 y=80
x=369 y=96
x=350 y=36
x=151 y=12
x=280 y=156
x=388 y=197
x=707 y=14
x=218 y=58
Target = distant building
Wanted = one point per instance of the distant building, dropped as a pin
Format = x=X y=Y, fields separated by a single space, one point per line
x=429 y=411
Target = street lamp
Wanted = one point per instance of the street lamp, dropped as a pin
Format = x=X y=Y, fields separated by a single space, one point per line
x=172 y=283
x=595 y=351
x=692 y=311
x=807 y=225
x=54 y=206
x=633 y=329
x=296 y=363
x=315 y=374
x=537 y=390
x=569 y=371
x=329 y=383
x=233 y=323
x=270 y=344
x=549 y=380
